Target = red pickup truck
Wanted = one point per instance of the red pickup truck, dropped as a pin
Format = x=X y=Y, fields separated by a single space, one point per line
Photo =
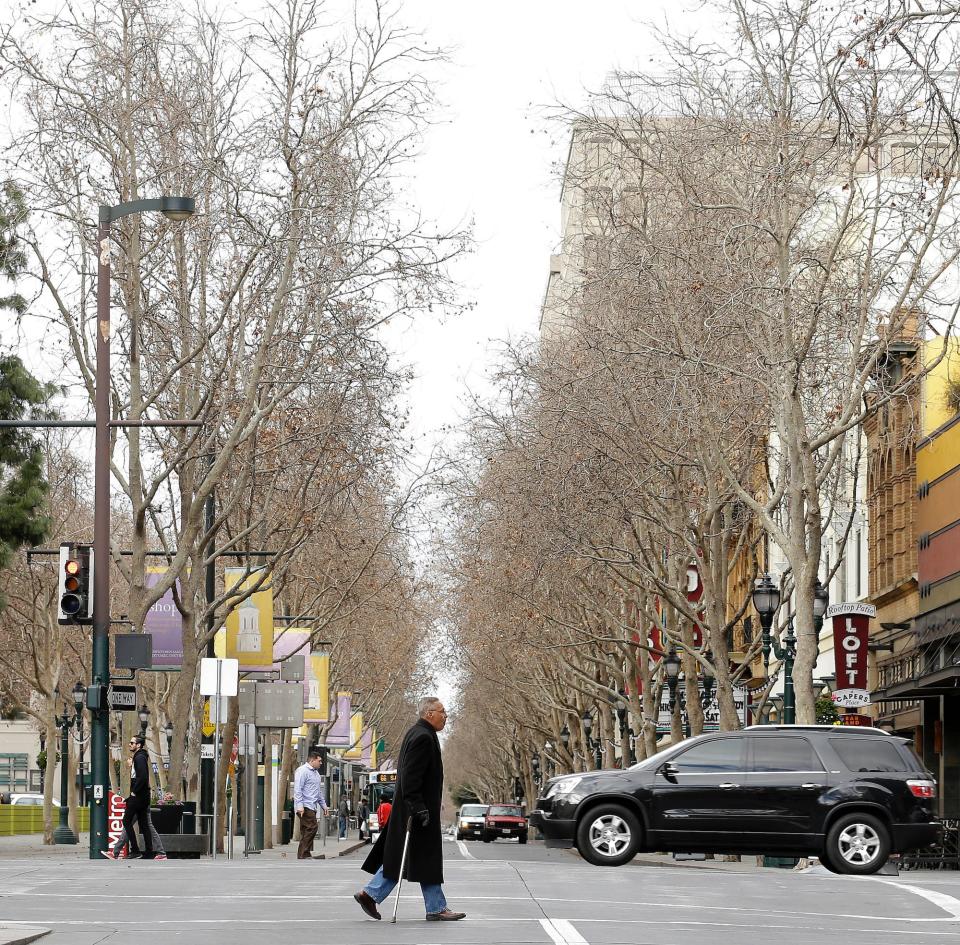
x=504 y=820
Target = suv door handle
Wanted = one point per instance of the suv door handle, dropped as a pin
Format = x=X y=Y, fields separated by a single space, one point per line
x=727 y=786
x=810 y=786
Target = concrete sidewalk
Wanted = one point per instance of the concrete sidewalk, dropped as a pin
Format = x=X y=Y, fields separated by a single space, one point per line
x=11 y=935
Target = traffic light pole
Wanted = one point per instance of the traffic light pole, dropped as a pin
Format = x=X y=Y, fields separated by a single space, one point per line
x=100 y=672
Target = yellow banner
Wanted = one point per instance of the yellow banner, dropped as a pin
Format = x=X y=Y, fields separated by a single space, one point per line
x=250 y=623
x=356 y=736
x=373 y=750
x=318 y=680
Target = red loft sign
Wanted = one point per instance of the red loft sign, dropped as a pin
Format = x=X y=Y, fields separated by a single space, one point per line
x=851 y=631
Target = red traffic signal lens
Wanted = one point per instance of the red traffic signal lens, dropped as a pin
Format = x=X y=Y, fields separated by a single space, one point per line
x=71 y=583
x=72 y=567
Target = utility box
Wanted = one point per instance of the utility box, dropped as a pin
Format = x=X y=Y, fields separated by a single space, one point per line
x=279 y=705
x=247 y=700
x=293 y=668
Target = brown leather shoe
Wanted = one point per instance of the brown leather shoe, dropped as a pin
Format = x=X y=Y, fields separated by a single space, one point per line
x=367 y=903
x=445 y=916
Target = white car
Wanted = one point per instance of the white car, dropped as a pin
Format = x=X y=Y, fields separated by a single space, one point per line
x=30 y=800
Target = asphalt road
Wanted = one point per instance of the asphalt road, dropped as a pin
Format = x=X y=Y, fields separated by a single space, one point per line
x=513 y=894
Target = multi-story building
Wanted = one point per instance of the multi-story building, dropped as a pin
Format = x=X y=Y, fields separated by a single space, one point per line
x=915 y=563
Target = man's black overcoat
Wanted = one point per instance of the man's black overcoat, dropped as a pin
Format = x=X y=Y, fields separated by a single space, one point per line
x=419 y=787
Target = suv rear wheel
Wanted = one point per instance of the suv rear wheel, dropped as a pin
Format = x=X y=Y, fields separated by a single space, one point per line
x=608 y=835
x=857 y=844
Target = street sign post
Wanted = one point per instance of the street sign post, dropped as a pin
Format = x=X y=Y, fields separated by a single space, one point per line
x=218 y=678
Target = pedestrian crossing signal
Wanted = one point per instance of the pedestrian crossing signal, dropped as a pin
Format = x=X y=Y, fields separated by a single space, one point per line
x=75 y=600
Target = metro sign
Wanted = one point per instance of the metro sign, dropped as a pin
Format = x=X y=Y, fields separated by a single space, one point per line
x=851 y=633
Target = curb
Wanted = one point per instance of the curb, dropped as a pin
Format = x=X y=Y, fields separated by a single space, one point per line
x=21 y=935
x=345 y=850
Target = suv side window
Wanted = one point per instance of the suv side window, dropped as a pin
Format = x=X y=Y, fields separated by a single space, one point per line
x=718 y=755
x=783 y=753
x=861 y=753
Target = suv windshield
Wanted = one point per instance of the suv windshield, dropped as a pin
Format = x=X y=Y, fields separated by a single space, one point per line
x=503 y=811
x=473 y=810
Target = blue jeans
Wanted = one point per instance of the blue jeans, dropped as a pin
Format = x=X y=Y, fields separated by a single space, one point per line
x=343 y=827
x=380 y=887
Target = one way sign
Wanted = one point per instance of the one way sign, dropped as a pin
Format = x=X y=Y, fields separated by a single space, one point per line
x=123 y=698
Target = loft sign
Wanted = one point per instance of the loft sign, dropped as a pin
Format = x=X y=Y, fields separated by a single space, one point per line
x=851 y=633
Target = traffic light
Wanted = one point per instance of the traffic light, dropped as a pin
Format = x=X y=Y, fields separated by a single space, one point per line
x=76 y=584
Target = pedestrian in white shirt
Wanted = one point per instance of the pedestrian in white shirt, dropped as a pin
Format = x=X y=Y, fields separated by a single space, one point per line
x=307 y=799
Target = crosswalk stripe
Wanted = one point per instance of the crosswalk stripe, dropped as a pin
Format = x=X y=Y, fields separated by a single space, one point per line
x=562 y=932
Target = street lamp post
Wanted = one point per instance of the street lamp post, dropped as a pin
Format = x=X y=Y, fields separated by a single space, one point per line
x=592 y=744
x=176 y=209
x=535 y=766
x=766 y=600
x=671 y=666
x=143 y=713
x=63 y=833
x=79 y=694
x=626 y=753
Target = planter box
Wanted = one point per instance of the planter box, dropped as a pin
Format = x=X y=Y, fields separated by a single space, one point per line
x=184 y=845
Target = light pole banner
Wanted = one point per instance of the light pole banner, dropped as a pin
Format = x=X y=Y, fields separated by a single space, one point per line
x=339 y=734
x=369 y=757
x=250 y=623
x=317 y=683
x=164 y=623
x=356 y=737
x=851 y=633
x=293 y=641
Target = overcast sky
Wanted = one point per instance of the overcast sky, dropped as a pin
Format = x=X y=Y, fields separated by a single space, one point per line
x=491 y=162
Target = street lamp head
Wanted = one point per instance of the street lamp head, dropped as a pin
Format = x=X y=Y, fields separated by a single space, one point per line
x=671 y=664
x=587 y=721
x=706 y=668
x=177 y=208
x=821 y=600
x=535 y=762
x=143 y=713
x=565 y=735
x=168 y=729
x=766 y=596
x=79 y=694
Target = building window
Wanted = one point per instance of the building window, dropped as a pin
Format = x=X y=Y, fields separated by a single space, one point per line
x=859 y=565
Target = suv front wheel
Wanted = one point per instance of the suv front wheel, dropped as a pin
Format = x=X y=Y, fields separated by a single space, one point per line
x=608 y=835
x=857 y=844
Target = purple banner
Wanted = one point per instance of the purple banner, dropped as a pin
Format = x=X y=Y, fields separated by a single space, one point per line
x=164 y=622
x=292 y=643
x=366 y=744
x=339 y=734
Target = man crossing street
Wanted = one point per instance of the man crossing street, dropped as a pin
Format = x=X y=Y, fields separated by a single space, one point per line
x=418 y=796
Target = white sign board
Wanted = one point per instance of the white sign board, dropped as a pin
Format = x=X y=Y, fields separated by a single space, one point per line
x=218 y=713
x=711 y=713
x=228 y=672
x=206 y=750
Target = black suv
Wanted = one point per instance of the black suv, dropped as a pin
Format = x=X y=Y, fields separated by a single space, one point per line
x=851 y=796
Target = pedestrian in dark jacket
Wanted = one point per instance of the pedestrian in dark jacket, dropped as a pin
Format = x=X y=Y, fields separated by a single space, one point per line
x=416 y=801
x=138 y=803
x=363 y=816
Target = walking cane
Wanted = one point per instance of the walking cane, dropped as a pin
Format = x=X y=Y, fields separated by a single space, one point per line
x=403 y=863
